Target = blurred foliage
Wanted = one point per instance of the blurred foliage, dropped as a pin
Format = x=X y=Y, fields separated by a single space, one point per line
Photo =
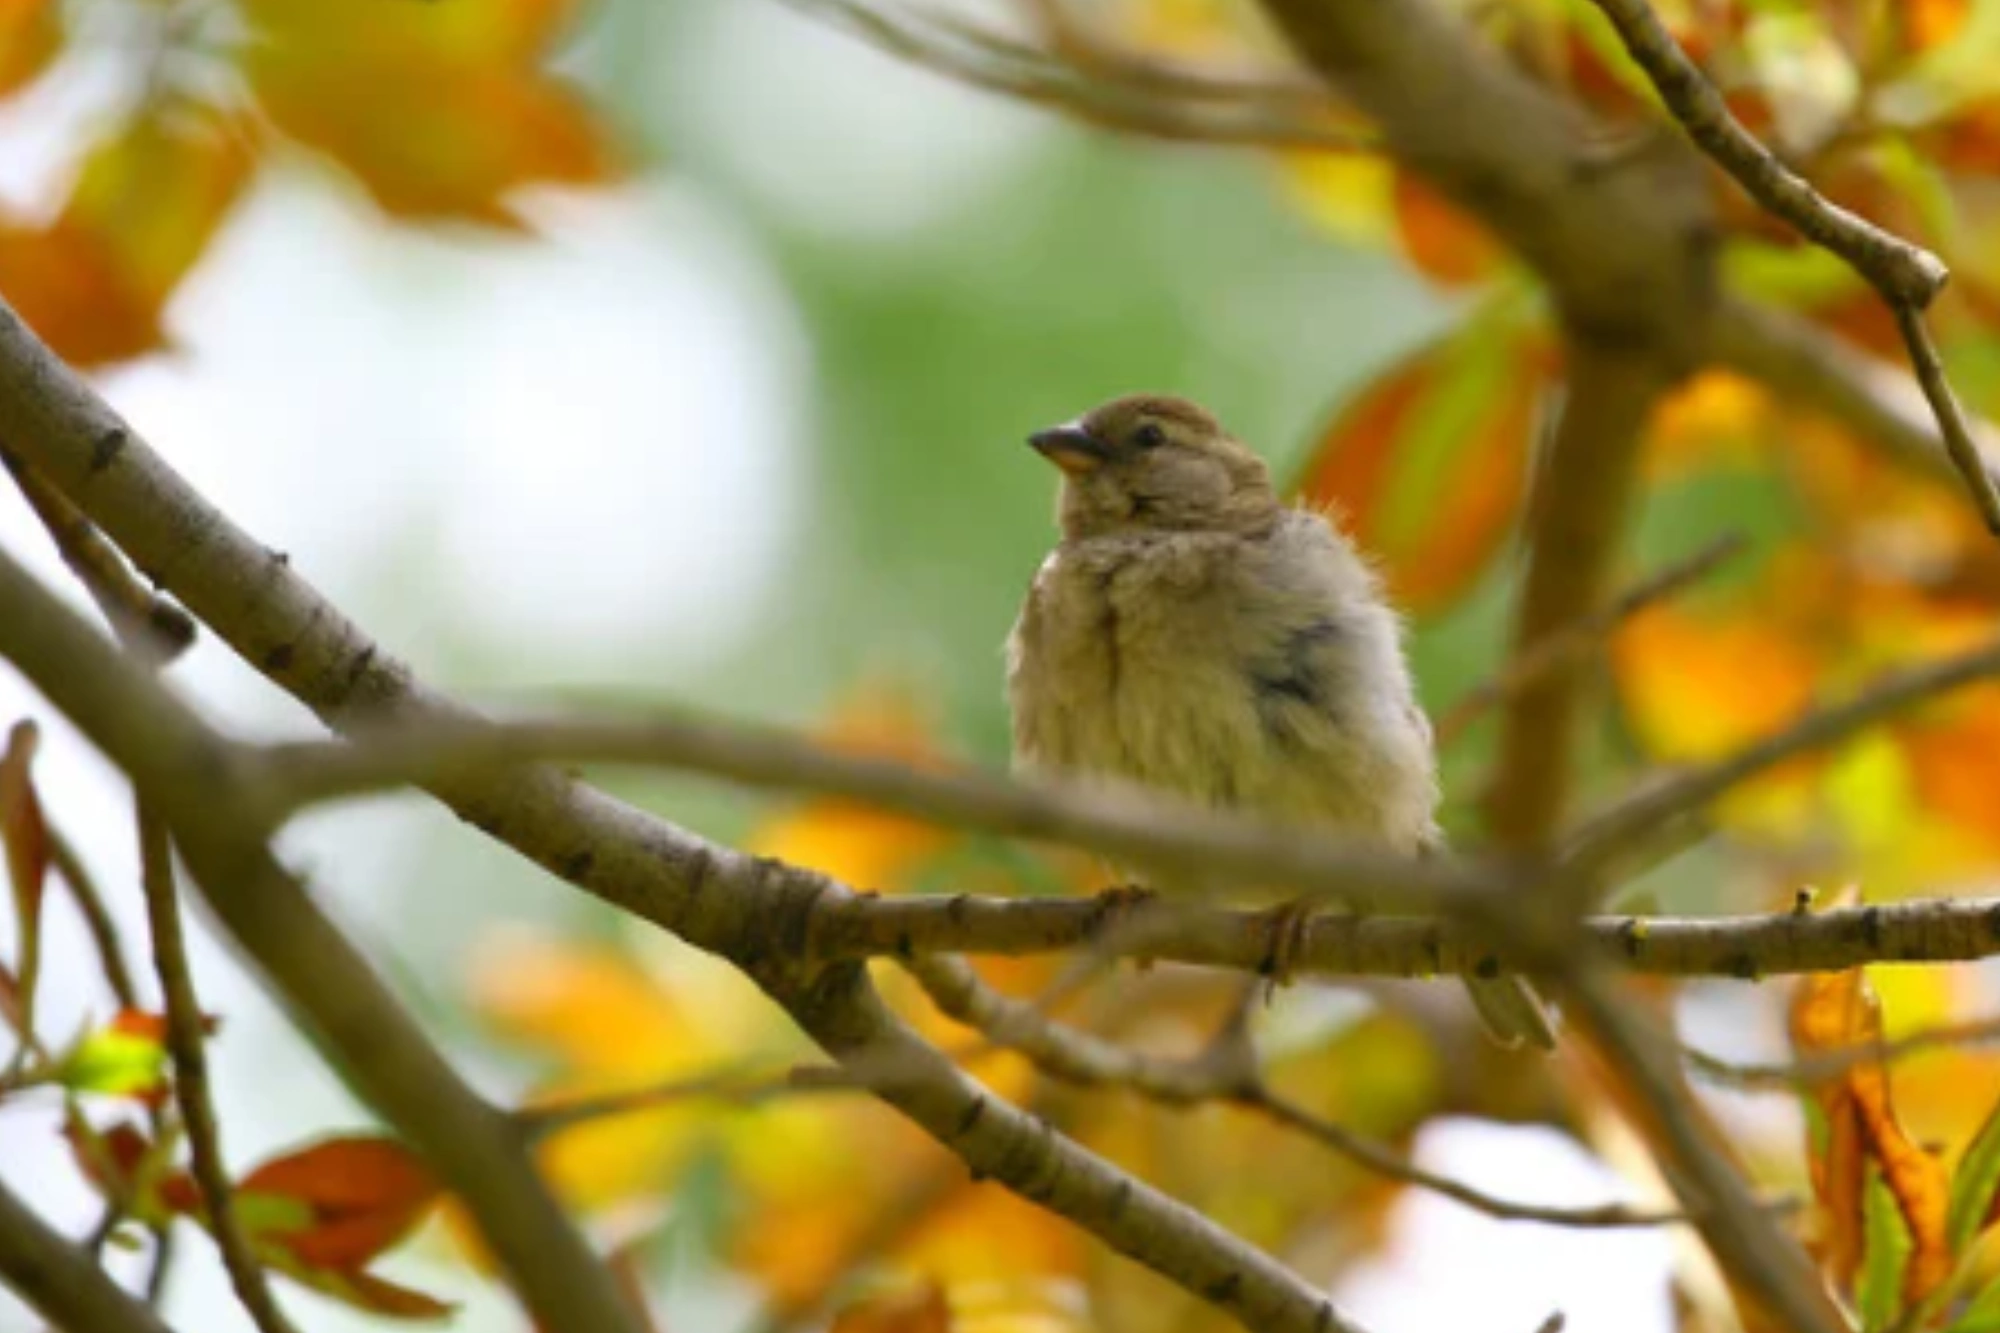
x=1394 y=362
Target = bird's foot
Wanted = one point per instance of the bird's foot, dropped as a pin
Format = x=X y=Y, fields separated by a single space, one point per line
x=1286 y=925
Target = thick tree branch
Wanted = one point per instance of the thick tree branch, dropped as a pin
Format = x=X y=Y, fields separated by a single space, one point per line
x=185 y=772
x=1582 y=496
x=751 y=911
x=59 y=1280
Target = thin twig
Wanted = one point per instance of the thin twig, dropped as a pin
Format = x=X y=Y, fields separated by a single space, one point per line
x=1607 y=835
x=1227 y=1071
x=96 y=916
x=1383 y=1161
x=1908 y=276
x=728 y=1085
x=1585 y=634
x=1111 y=89
x=1762 y=1260
x=1197 y=843
x=1790 y=1075
x=1805 y=364
x=1905 y=274
x=134 y=610
x=191 y=1089
x=1958 y=442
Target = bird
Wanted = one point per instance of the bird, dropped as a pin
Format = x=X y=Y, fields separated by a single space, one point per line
x=1193 y=634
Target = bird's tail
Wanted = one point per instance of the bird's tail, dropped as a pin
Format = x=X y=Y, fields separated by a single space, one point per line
x=1514 y=1015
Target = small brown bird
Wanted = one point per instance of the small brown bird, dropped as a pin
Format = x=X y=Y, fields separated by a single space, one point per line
x=1192 y=634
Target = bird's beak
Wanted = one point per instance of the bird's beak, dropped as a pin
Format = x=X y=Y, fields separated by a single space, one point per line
x=1070 y=447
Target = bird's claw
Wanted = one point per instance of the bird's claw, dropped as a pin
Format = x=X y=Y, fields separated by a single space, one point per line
x=1286 y=924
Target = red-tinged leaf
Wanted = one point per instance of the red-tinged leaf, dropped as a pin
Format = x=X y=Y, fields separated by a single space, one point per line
x=27 y=846
x=121 y=1160
x=30 y=34
x=152 y=1026
x=1437 y=237
x=1430 y=464
x=343 y=1201
x=923 y=1310
x=1836 y=1011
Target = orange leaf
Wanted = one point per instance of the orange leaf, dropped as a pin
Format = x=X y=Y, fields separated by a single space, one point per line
x=146 y=205
x=366 y=1291
x=438 y=110
x=1444 y=244
x=361 y=1195
x=1431 y=462
x=854 y=843
x=922 y=1310
x=115 y=1161
x=1832 y=1012
x=30 y=33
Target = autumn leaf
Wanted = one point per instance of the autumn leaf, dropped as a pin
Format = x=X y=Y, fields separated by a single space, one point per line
x=120 y=1059
x=30 y=34
x=438 y=110
x=923 y=1310
x=123 y=1162
x=1883 y=1197
x=1439 y=239
x=1430 y=463
x=146 y=204
x=855 y=843
x=338 y=1203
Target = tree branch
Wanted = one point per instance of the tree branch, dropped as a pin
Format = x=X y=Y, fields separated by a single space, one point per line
x=1226 y=1072
x=60 y=1281
x=752 y=912
x=1760 y=1258
x=1578 y=638
x=1908 y=276
x=186 y=773
x=1746 y=948
x=1616 y=830
x=1804 y=363
x=191 y=1089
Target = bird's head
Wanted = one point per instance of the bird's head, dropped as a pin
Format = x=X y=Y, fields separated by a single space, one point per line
x=1150 y=463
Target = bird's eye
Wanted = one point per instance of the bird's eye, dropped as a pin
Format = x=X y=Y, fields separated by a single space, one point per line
x=1149 y=435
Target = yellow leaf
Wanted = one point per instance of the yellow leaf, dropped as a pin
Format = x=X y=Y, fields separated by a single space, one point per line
x=30 y=33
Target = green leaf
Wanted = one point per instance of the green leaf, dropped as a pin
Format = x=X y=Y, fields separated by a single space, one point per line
x=1983 y=1315
x=1974 y=1185
x=114 y=1062
x=1886 y=1246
